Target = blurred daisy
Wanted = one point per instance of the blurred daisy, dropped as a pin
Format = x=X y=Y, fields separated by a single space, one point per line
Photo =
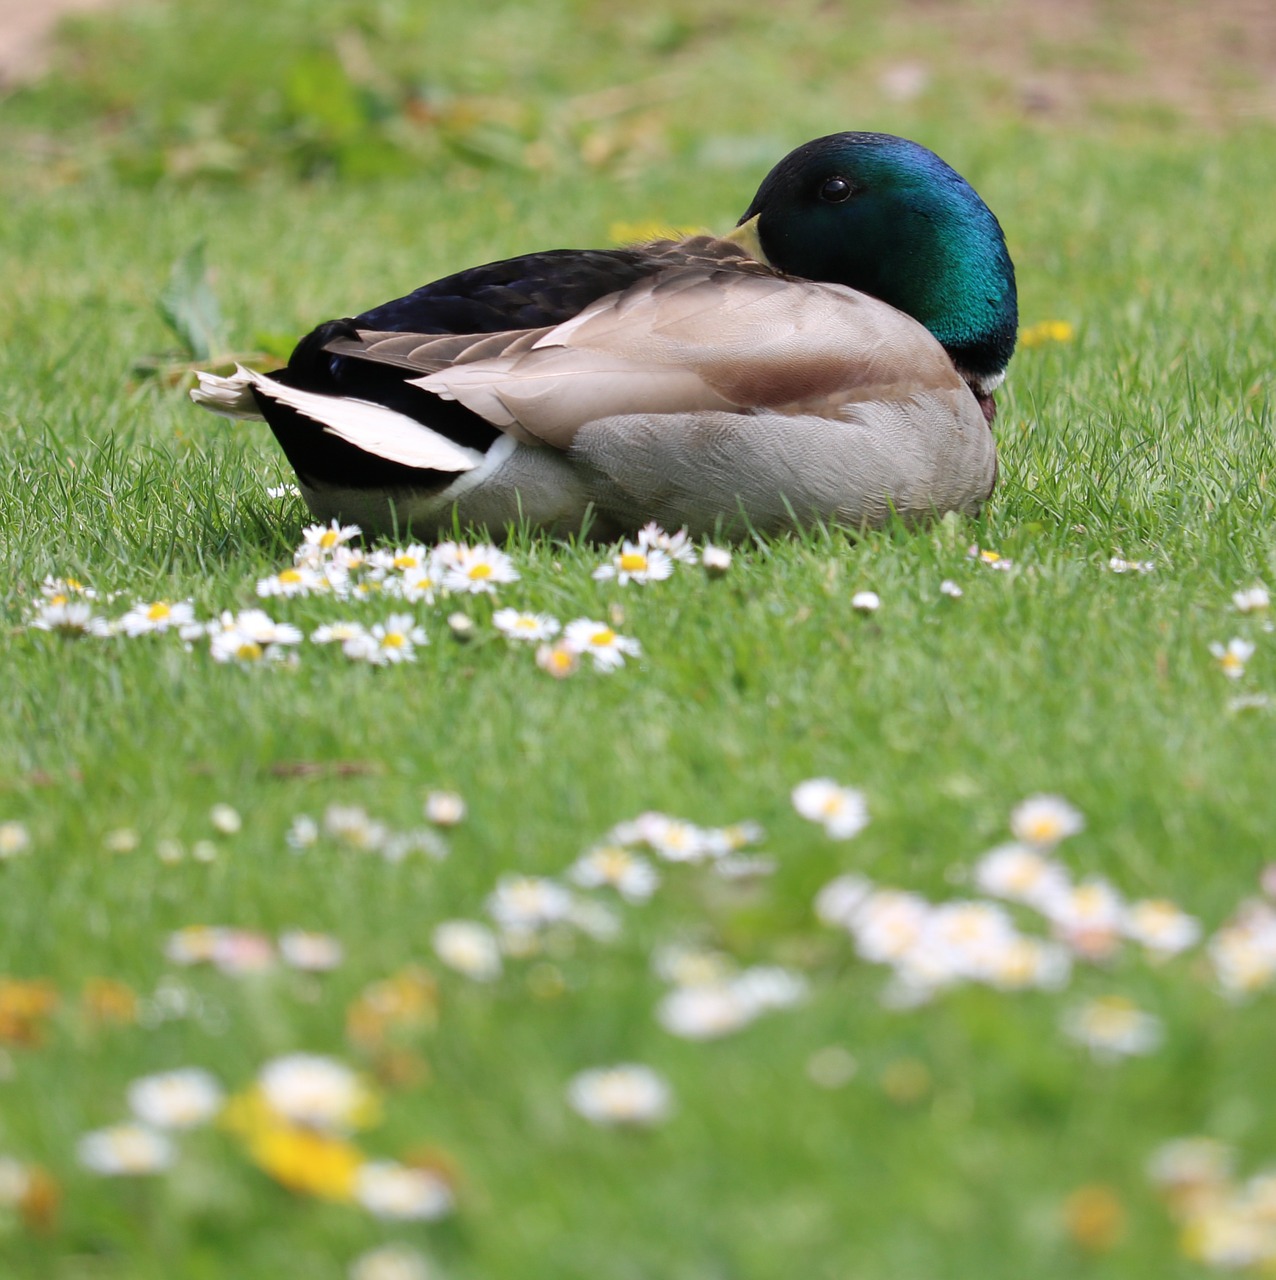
x=675 y=840
x=402 y=1193
x=1113 y=1027
x=557 y=660
x=353 y=827
x=478 y=569
x=770 y=986
x=686 y=966
x=468 y=947
x=320 y=1093
x=142 y=619
x=950 y=589
x=225 y=819
x=1028 y=963
x=716 y=561
x=390 y=1262
x=192 y=945
x=1243 y=951
x=302 y=832
x=525 y=626
x=1089 y=917
x=889 y=924
x=399 y=845
x=1043 y=821
x=841 y=810
x=606 y=647
x=242 y=951
x=866 y=602
x=1232 y=657
x=1021 y=873
x=1251 y=599
x=993 y=559
x=125 y=1150
x=70 y=618
x=320 y=541
x=633 y=877
x=1190 y=1165
x=15 y=839
x=840 y=900
x=250 y=637
x=636 y=563
x=444 y=808
x=626 y=1094
x=705 y=1012
x=1161 y=926
x=338 y=633
x=179 y=1099
x=396 y=639
x=312 y=952
x=299 y=580
x=61 y=590
x=528 y=902
x=405 y=560
x=677 y=546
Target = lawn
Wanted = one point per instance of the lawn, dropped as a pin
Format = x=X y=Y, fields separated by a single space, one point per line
x=843 y=1123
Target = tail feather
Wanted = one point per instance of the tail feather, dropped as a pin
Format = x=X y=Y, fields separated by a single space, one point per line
x=230 y=397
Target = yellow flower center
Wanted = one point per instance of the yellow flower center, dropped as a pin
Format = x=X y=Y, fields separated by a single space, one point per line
x=329 y=539
x=289 y=576
x=479 y=572
x=633 y=562
x=59 y=599
x=74 y=584
x=1232 y=662
x=561 y=661
x=158 y=612
x=394 y=640
x=603 y=637
x=249 y=651
x=405 y=562
x=1043 y=830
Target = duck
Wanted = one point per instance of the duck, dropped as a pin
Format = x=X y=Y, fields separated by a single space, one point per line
x=833 y=359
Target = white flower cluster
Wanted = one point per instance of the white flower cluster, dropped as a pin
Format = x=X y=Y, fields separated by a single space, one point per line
x=245 y=951
x=711 y=998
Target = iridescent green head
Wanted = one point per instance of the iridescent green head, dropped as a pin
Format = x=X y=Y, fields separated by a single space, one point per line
x=890 y=218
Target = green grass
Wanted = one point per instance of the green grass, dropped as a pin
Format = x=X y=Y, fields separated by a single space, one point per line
x=1149 y=435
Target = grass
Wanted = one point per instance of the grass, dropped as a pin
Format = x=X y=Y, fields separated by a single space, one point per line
x=1149 y=435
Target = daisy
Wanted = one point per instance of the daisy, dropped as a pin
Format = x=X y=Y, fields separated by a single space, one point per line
x=396 y=639
x=251 y=637
x=444 y=808
x=338 y=633
x=1113 y=1027
x=14 y=840
x=692 y=966
x=840 y=900
x=677 y=546
x=1023 y=963
x=1042 y=821
x=606 y=647
x=842 y=810
x=1233 y=656
x=317 y=1092
x=15 y=1182
x=1191 y=1164
x=301 y=833
x=399 y=845
x=1089 y=918
x=765 y=987
x=677 y=841
x=716 y=561
x=312 y=952
x=626 y=1094
x=557 y=660
x=636 y=563
x=477 y=569
x=225 y=819
x=242 y=951
x=1161 y=926
x=705 y=1012
x=993 y=559
x=321 y=541
x=950 y=589
x=176 y=1099
x=866 y=602
x=352 y=825
x=1243 y=954
x=889 y=924
x=525 y=626
x=1021 y=873
x=1251 y=599
x=739 y=866
x=405 y=560
x=528 y=902
x=142 y=619
x=125 y=1150
x=397 y=1191
x=69 y=618
x=634 y=878
x=278 y=491
x=461 y=625
x=61 y=590
x=192 y=945
x=468 y=947
x=299 y=580
x=390 y=1262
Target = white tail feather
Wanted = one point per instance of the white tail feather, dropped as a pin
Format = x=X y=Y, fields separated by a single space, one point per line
x=362 y=423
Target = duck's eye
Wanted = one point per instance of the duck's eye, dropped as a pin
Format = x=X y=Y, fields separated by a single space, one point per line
x=835 y=190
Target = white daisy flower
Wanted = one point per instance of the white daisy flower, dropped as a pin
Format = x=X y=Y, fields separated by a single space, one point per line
x=1043 y=821
x=468 y=947
x=242 y=951
x=950 y=589
x=397 y=638
x=558 y=660
x=889 y=924
x=225 y=819
x=705 y=1012
x=250 y=637
x=770 y=986
x=1089 y=918
x=528 y=902
x=1021 y=873
x=125 y=1150
x=314 y=1091
x=1161 y=926
x=311 y=952
x=866 y=602
x=841 y=810
x=321 y=541
x=444 y=808
x=1243 y=952
x=677 y=546
x=636 y=563
x=461 y=625
x=1023 y=963
x=1190 y=1163
x=15 y=1182
x=626 y=1094
x=1113 y=1027
x=418 y=586
x=404 y=560
x=1251 y=599
x=299 y=580
x=993 y=559
x=1233 y=656
x=278 y=491
x=142 y=619
x=302 y=832
x=716 y=561
x=402 y=1193
x=476 y=569
x=70 y=618
x=399 y=845
x=634 y=878
x=390 y=1262
x=840 y=900
x=61 y=590
x=677 y=841
x=179 y=1099
x=352 y=825
x=692 y=966
x=15 y=839
x=739 y=866
x=525 y=626
x=606 y=647
x=338 y=633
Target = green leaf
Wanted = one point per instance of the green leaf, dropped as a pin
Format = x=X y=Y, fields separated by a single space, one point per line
x=189 y=306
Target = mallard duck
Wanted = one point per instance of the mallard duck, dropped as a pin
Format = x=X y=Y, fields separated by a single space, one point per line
x=832 y=358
